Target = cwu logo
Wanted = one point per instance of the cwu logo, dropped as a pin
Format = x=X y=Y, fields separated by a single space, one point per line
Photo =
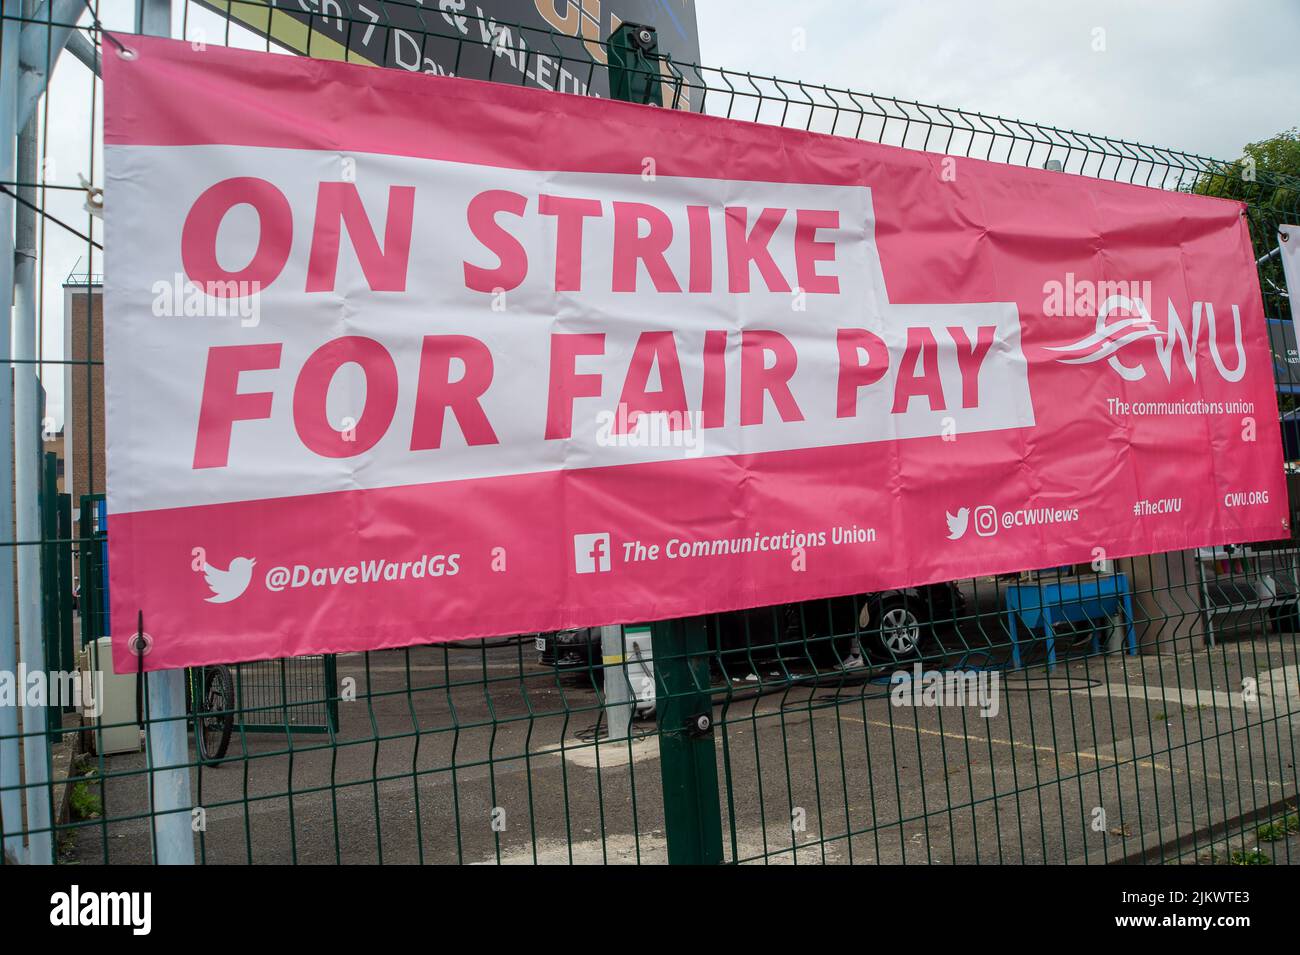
x=1175 y=343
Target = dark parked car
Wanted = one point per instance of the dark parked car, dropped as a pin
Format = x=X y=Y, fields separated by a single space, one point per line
x=892 y=625
x=576 y=652
x=886 y=627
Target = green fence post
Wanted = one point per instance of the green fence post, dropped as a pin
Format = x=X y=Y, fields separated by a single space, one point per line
x=331 y=693
x=634 y=64
x=680 y=648
x=687 y=757
x=51 y=594
x=64 y=558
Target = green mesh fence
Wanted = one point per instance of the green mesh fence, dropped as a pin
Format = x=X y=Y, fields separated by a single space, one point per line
x=1073 y=749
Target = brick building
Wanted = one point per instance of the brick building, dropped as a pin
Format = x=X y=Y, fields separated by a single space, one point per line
x=83 y=387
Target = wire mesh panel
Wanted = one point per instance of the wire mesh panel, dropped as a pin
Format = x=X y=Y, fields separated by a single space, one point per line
x=1141 y=709
x=296 y=692
x=93 y=569
x=1080 y=750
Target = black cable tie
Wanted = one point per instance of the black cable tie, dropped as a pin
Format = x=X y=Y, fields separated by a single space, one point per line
x=139 y=673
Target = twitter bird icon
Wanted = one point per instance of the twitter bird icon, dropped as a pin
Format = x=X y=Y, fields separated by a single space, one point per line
x=957 y=523
x=228 y=584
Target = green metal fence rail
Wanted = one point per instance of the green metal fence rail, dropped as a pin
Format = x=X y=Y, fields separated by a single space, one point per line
x=763 y=746
x=298 y=692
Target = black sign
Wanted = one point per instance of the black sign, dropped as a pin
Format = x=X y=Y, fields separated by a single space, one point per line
x=1286 y=358
x=552 y=44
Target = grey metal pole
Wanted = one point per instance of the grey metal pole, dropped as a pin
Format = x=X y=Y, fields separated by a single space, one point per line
x=84 y=51
x=11 y=805
x=165 y=736
x=30 y=51
x=618 y=691
x=40 y=49
x=27 y=452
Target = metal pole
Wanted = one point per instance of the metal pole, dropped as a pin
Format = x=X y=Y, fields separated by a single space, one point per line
x=688 y=764
x=680 y=648
x=11 y=808
x=27 y=449
x=153 y=17
x=165 y=733
x=84 y=51
x=169 y=771
x=617 y=689
x=40 y=49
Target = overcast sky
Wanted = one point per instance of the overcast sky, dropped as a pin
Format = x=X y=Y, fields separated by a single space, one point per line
x=1206 y=77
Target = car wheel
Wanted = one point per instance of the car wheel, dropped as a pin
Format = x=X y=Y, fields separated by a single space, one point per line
x=897 y=631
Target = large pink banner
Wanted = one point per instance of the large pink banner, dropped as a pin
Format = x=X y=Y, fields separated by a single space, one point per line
x=396 y=359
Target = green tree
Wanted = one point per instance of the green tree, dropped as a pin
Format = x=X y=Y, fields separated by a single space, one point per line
x=1267 y=178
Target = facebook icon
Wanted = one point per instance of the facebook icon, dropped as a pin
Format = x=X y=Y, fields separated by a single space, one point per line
x=591 y=553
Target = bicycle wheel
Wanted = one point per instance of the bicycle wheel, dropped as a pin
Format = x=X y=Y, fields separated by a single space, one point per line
x=216 y=718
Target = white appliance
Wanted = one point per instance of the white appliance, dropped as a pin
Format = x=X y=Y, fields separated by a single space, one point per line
x=107 y=702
